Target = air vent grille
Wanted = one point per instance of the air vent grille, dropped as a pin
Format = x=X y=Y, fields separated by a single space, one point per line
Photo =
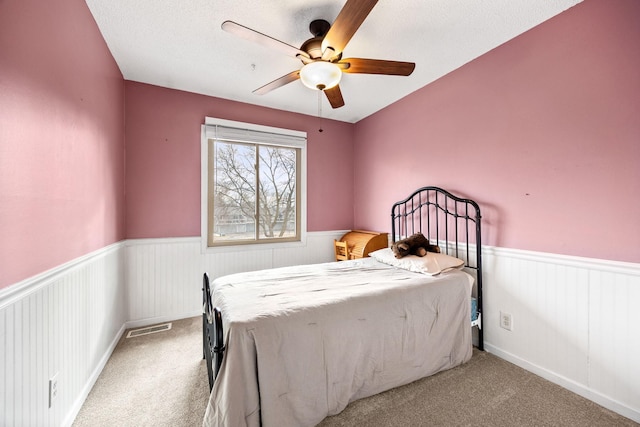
x=149 y=330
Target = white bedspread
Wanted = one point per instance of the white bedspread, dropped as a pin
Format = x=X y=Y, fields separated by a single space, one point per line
x=302 y=342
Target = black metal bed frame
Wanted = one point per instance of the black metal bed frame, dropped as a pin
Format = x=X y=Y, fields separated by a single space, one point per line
x=212 y=334
x=451 y=222
x=442 y=217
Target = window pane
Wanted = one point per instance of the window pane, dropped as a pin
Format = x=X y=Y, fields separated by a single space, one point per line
x=277 y=196
x=255 y=182
x=234 y=194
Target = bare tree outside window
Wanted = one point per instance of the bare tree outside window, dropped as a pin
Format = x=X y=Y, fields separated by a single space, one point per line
x=234 y=197
x=253 y=181
x=277 y=196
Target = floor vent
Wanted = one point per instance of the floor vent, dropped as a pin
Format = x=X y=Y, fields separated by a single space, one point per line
x=149 y=330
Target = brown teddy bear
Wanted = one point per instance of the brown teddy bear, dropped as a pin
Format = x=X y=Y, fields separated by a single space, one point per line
x=416 y=244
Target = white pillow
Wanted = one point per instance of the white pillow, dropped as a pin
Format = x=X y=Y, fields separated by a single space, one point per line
x=431 y=264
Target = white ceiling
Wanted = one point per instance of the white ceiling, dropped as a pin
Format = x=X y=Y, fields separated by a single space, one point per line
x=179 y=44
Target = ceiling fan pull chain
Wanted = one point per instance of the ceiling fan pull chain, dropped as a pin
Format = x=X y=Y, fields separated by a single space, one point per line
x=320 y=109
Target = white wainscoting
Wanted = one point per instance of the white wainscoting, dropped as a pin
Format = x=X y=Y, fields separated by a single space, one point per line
x=67 y=321
x=574 y=322
x=573 y=318
x=164 y=276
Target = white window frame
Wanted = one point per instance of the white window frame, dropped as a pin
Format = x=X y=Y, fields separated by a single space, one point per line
x=207 y=133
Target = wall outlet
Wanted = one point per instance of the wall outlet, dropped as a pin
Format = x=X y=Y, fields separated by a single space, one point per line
x=53 y=389
x=506 y=321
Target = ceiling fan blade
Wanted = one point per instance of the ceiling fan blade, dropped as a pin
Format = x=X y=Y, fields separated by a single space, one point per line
x=257 y=37
x=376 y=66
x=279 y=82
x=346 y=24
x=334 y=95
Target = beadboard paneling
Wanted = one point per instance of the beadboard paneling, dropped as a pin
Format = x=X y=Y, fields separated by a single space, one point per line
x=164 y=276
x=65 y=321
x=573 y=322
x=614 y=356
x=573 y=318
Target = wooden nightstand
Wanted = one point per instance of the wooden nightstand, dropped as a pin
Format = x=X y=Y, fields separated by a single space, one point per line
x=359 y=243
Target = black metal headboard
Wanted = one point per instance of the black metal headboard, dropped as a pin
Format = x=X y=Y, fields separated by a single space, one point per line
x=451 y=222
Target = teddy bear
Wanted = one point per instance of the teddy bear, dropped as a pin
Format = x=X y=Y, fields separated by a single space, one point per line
x=416 y=244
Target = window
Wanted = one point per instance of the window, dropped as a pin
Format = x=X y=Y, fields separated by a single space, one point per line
x=253 y=183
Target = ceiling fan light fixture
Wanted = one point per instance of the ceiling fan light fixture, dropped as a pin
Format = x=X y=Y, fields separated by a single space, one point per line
x=320 y=75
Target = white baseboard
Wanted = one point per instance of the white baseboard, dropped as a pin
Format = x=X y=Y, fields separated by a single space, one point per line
x=567 y=383
x=77 y=405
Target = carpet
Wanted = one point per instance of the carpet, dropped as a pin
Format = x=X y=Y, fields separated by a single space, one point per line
x=161 y=380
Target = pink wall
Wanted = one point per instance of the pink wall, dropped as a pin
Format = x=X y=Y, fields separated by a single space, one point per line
x=61 y=137
x=544 y=132
x=163 y=160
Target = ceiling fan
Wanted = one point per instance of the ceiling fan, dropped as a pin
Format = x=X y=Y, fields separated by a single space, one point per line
x=321 y=55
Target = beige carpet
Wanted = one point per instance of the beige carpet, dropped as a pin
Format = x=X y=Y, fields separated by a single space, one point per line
x=158 y=379
x=161 y=380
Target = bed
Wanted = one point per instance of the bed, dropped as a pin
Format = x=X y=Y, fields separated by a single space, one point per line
x=289 y=346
